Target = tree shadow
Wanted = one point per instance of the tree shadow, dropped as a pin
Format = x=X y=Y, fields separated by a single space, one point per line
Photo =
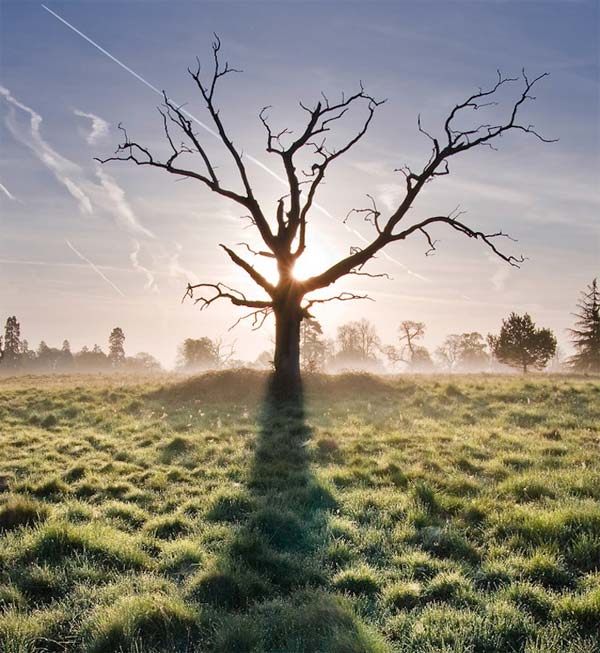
x=267 y=589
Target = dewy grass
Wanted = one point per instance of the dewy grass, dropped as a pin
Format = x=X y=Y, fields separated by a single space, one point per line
x=376 y=515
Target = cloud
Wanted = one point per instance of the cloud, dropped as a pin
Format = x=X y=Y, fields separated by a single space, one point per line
x=8 y=194
x=176 y=270
x=500 y=277
x=374 y=168
x=99 y=126
x=96 y=269
x=389 y=195
x=135 y=262
x=90 y=195
x=123 y=212
x=63 y=169
x=502 y=192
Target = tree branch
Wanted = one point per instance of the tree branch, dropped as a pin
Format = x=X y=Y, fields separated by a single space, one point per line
x=437 y=165
x=258 y=318
x=221 y=291
x=464 y=229
x=252 y=272
x=342 y=297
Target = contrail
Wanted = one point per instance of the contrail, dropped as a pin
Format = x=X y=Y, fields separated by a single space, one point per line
x=212 y=132
x=96 y=269
x=8 y=194
x=58 y=264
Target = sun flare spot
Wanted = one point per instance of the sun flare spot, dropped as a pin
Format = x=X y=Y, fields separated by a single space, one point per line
x=316 y=259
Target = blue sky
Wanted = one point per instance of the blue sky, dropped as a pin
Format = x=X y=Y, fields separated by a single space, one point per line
x=85 y=248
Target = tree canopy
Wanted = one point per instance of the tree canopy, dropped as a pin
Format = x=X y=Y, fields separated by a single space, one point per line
x=586 y=334
x=521 y=344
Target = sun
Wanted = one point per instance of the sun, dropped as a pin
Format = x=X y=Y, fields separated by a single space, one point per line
x=316 y=259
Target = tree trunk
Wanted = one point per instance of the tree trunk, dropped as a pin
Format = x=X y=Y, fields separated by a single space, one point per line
x=287 y=348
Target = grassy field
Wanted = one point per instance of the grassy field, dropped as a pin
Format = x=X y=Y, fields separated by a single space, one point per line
x=412 y=515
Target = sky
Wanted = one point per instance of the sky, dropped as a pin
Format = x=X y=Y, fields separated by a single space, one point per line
x=86 y=247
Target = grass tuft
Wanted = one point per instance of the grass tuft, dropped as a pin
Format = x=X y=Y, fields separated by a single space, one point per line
x=21 y=511
x=101 y=544
x=141 y=622
x=357 y=580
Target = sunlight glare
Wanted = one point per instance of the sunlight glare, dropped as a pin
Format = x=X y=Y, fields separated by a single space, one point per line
x=316 y=259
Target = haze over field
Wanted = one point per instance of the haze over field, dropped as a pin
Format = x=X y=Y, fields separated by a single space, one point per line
x=86 y=247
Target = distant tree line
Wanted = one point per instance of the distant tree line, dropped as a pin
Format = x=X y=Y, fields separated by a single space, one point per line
x=520 y=344
x=16 y=356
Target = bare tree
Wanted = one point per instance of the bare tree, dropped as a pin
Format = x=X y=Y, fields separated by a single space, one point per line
x=358 y=341
x=289 y=299
x=448 y=353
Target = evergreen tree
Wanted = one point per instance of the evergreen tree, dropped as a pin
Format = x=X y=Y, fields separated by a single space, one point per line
x=42 y=348
x=116 y=351
x=66 y=357
x=586 y=335
x=312 y=346
x=521 y=344
x=28 y=357
x=12 y=343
